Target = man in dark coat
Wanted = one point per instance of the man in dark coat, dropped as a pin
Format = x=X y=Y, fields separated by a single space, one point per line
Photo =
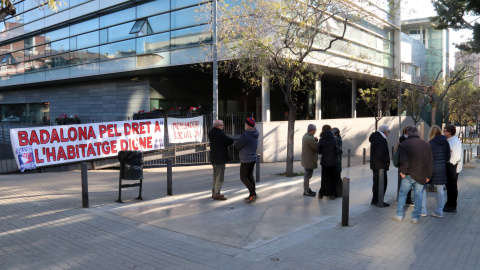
x=379 y=159
x=219 y=143
x=416 y=169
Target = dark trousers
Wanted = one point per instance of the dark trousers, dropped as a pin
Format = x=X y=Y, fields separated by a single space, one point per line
x=328 y=182
x=306 y=179
x=452 y=190
x=246 y=175
x=376 y=178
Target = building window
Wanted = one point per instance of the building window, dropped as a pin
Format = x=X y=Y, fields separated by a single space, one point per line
x=415 y=34
x=141 y=28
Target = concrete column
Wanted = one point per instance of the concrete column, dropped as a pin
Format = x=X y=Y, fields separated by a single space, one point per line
x=265 y=99
x=354 y=98
x=318 y=99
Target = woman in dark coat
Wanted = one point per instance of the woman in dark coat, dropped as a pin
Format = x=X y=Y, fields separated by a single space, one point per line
x=441 y=156
x=328 y=160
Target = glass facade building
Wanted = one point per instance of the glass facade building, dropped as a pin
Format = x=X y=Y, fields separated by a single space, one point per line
x=103 y=58
x=103 y=41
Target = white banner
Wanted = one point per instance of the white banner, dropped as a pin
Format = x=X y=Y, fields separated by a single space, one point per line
x=181 y=130
x=42 y=146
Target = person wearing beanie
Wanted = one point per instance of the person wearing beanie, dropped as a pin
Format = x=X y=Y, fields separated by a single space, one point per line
x=247 y=146
x=309 y=158
x=250 y=121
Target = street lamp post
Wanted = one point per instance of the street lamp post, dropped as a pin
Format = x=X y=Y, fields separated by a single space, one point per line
x=215 y=66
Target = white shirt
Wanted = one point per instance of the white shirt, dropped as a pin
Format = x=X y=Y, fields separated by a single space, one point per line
x=456 y=152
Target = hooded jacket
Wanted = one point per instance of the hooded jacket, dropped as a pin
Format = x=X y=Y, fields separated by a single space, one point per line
x=219 y=143
x=379 y=154
x=247 y=144
x=441 y=156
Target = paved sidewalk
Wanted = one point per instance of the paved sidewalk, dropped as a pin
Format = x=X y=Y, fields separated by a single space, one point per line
x=42 y=224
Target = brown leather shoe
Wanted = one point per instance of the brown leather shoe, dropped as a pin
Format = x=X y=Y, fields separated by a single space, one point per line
x=219 y=198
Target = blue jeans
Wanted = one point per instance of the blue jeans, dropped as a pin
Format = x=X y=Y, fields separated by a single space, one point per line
x=440 y=200
x=418 y=188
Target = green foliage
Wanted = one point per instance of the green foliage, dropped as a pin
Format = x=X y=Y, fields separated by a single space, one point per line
x=458 y=15
x=463 y=102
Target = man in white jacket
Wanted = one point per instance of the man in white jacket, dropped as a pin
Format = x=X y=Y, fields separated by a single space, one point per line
x=454 y=167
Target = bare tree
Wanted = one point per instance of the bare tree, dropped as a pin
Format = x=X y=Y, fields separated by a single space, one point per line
x=282 y=42
x=381 y=98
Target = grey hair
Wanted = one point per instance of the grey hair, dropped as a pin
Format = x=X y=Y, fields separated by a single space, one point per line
x=217 y=122
x=412 y=131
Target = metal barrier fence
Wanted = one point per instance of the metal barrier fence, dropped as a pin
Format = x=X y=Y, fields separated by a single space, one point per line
x=234 y=127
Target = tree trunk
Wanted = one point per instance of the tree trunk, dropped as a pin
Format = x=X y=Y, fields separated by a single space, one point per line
x=434 y=114
x=290 y=141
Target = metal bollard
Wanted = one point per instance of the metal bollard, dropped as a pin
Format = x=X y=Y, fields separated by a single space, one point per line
x=464 y=155
x=471 y=153
x=345 y=200
x=381 y=187
x=257 y=169
x=348 y=159
x=478 y=149
x=364 y=156
x=169 y=176
x=84 y=185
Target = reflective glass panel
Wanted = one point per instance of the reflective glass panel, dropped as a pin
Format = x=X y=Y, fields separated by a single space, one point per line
x=73 y=43
x=77 y=2
x=160 y=23
x=33 y=14
x=84 y=27
x=119 y=49
x=59 y=46
x=65 y=4
x=103 y=36
x=117 y=17
x=29 y=4
x=120 y=32
x=137 y=26
x=57 y=61
x=16 y=68
x=19 y=7
x=57 y=34
x=184 y=3
x=37 y=52
x=152 y=8
x=153 y=43
x=13 y=22
x=84 y=56
x=189 y=36
x=185 y=17
x=88 y=40
x=16 y=46
x=18 y=56
x=35 y=65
